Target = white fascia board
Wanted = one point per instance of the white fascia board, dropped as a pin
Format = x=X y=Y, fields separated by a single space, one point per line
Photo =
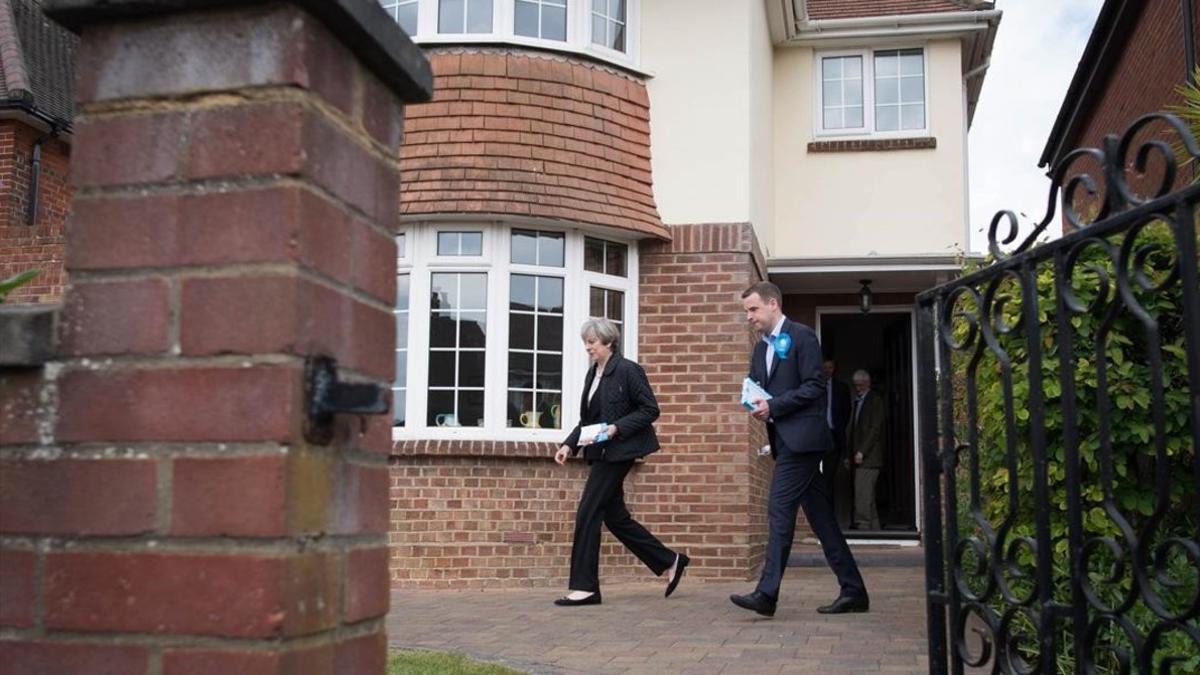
x=930 y=25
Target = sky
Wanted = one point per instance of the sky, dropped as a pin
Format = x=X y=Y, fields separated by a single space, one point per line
x=1037 y=49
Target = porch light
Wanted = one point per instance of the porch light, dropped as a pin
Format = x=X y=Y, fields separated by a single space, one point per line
x=864 y=296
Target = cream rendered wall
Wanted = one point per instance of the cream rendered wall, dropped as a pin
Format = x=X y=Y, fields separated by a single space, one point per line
x=856 y=204
x=710 y=109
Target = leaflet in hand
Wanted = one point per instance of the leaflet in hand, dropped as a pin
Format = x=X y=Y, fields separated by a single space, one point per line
x=593 y=433
x=752 y=394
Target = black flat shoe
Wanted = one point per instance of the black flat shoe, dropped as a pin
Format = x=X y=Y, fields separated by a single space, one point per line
x=593 y=599
x=846 y=604
x=757 y=602
x=679 y=567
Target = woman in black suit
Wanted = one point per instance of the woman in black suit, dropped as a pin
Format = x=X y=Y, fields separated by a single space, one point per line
x=616 y=393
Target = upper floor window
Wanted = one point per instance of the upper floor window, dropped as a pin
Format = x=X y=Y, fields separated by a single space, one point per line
x=487 y=321
x=605 y=29
x=871 y=92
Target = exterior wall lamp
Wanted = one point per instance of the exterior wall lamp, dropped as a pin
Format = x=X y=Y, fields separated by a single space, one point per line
x=864 y=296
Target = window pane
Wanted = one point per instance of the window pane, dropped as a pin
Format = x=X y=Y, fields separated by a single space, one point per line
x=550 y=249
x=441 y=369
x=549 y=371
x=524 y=247
x=550 y=295
x=549 y=404
x=470 y=369
x=554 y=22
x=887 y=118
x=593 y=255
x=520 y=409
x=441 y=409
x=598 y=27
x=443 y=330
x=832 y=92
x=521 y=292
x=852 y=67
x=402 y=291
x=887 y=92
x=853 y=117
x=912 y=90
x=550 y=333
x=401 y=368
x=444 y=291
x=596 y=302
x=479 y=16
x=399 y=401
x=520 y=370
x=526 y=18
x=616 y=9
x=912 y=63
x=600 y=6
x=912 y=117
x=886 y=64
x=447 y=243
x=472 y=243
x=406 y=16
x=618 y=39
x=520 y=331
x=472 y=291
x=470 y=408
x=831 y=68
x=450 y=16
x=616 y=306
x=852 y=89
x=833 y=118
x=614 y=259
x=473 y=330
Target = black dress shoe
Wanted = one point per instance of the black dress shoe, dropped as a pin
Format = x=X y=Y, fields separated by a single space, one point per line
x=757 y=601
x=846 y=603
x=679 y=567
x=593 y=599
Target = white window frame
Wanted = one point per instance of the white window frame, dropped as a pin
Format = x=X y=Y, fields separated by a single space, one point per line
x=579 y=38
x=421 y=262
x=401 y=3
x=868 y=129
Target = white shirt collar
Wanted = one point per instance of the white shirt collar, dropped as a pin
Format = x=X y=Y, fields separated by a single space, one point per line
x=779 y=326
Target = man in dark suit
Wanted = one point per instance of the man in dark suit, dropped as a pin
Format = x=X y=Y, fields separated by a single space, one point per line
x=866 y=443
x=787 y=364
x=837 y=415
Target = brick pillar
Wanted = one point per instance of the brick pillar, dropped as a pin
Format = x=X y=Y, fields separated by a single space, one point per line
x=161 y=508
x=712 y=484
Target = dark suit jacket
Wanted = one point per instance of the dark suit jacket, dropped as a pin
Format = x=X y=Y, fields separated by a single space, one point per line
x=841 y=411
x=797 y=388
x=867 y=435
x=626 y=401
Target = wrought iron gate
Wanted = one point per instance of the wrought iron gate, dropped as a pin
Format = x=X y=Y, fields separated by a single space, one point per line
x=1059 y=406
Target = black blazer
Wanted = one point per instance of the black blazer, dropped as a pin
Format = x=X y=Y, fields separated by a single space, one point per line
x=626 y=401
x=797 y=387
x=840 y=410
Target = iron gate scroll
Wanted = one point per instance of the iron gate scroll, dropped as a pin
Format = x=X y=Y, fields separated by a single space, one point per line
x=1059 y=394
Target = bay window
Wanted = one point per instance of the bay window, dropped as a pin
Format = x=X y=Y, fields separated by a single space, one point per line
x=487 y=327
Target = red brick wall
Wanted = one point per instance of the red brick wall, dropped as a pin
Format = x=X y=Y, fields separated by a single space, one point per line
x=24 y=247
x=163 y=508
x=502 y=514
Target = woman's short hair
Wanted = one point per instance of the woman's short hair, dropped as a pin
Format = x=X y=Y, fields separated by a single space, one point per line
x=603 y=330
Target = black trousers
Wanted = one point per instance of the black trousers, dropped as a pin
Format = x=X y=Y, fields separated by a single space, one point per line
x=603 y=502
x=798 y=483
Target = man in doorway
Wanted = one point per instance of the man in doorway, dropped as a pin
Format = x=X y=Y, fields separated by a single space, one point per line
x=865 y=441
x=787 y=364
x=837 y=415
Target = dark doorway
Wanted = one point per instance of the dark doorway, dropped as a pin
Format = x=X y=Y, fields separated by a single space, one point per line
x=881 y=344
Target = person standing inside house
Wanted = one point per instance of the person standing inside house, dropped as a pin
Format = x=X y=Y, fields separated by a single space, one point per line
x=616 y=394
x=865 y=441
x=787 y=364
x=837 y=416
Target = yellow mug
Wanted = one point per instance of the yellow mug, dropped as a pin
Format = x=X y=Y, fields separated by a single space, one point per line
x=530 y=418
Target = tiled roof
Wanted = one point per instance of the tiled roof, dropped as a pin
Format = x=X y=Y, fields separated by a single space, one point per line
x=37 y=60
x=534 y=135
x=847 y=9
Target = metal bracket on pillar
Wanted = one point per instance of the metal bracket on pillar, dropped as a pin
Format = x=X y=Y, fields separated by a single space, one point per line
x=325 y=397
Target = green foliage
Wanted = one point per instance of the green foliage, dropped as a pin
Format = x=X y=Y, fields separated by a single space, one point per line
x=16 y=281
x=1189 y=112
x=1115 y=392
x=417 y=662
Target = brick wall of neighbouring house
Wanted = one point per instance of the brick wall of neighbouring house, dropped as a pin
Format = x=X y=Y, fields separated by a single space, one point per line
x=40 y=246
x=476 y=514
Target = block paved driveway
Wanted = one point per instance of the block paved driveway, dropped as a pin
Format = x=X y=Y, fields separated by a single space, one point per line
x=697 y=630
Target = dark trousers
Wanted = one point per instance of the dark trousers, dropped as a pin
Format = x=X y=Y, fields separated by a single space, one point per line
x=603 y=501
x=798 y=483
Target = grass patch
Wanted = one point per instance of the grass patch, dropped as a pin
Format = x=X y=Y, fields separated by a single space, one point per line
x=417 y=662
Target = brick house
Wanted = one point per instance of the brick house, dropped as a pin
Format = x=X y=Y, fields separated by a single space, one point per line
x=646 y=161
x=1137 y=57
x=36 y=109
